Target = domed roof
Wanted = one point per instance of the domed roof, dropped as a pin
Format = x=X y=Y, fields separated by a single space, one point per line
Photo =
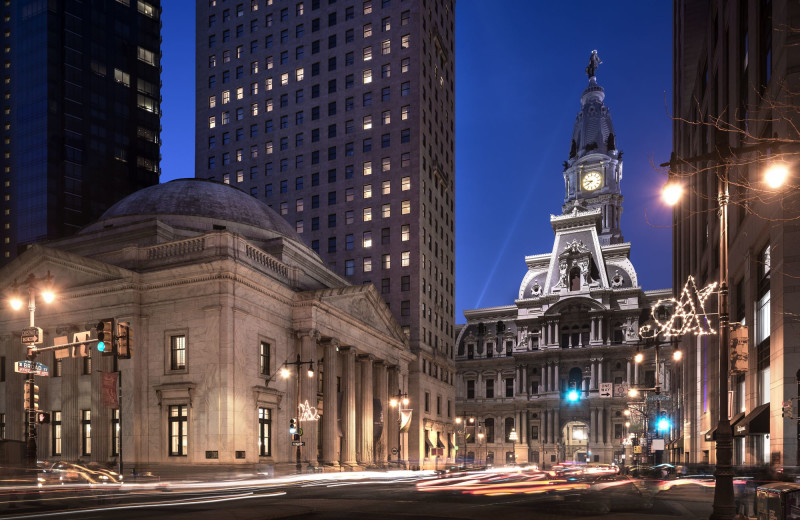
x=201 y=198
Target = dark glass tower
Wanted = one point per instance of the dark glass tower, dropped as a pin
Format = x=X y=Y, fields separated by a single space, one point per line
x=81 y=112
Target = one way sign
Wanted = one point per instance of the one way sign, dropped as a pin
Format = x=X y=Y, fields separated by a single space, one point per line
x=606 y=389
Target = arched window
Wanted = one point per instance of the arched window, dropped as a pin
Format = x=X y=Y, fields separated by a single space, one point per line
x=575 y=279
x=575 y=376
x=509 y=425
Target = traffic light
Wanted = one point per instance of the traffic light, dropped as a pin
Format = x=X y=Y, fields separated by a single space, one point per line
x=124 y=340
x=31 y=393
x=663 y=423
x=573 y=395
x=293 y=426
x=43 y=417
x=105 y=336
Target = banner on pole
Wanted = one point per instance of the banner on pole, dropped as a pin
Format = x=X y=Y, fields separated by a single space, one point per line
x=110 y=389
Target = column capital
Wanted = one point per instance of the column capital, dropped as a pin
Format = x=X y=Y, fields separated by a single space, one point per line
x=365 y=357
x=330 y=342
x=312 y=333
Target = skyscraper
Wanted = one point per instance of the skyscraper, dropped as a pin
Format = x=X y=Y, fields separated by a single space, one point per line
x=81 y=112
x=340 y=115
x=736 y=115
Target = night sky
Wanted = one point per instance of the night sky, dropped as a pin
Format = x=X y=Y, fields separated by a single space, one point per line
x=519 y=77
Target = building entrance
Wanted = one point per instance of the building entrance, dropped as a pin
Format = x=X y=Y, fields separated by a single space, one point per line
x=576 y=441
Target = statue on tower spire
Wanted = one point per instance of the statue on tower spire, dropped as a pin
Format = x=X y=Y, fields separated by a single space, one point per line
x=594 y=62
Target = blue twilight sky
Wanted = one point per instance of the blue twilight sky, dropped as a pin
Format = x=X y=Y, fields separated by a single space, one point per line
x=519 y=76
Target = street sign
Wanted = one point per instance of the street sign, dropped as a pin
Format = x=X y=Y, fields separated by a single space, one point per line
x=606 y=389
x=29 y=367
x=620 y=389
x=394 y=451
x=658 y=397
x=31 y=336
x=298 y=443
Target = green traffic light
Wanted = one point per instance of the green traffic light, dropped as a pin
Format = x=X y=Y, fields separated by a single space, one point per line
x=572 y=395
x=101 y=346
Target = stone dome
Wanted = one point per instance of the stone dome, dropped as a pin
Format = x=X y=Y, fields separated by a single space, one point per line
x=203 y=198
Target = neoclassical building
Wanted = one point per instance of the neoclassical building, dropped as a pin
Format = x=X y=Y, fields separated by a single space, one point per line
x=220 y=294
x=574 y=325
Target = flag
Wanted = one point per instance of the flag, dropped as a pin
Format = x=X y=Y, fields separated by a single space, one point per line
x=110 y=390
x=405 y=420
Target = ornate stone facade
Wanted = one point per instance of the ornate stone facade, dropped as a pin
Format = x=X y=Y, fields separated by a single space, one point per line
x=573 y=326
x=220 y=294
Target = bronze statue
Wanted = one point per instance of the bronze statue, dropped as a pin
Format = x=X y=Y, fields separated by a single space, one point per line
x=594 y=62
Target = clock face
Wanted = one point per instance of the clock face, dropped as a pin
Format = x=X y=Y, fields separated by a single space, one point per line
x=592 y=181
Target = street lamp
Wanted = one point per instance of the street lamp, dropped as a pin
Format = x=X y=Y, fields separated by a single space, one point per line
x=285 y=374
x=480 y=442
x=44 y=285
x=399 y=399
x=513 y=438
x=463 y=421
x=775 y=176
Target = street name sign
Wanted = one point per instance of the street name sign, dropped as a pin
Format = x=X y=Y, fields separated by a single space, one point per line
x=658 y=398
x=30 y=367
x=298 y=443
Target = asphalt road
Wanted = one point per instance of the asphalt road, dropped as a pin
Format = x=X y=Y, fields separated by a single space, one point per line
x=383 y=497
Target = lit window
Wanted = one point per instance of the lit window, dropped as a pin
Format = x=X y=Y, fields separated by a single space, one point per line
x=240 y=93
x=268 y=105
x=386 y=70
x=385 y=47
x=367 y=191
x=268 y=147
x=404 y=112
x=405 y=40
x=284 y=208
x=367 y=30
x=386 y=187
x=405 y=207
x=367 y=53
x=368 y=7
x=212 y=122
x=405 y=183
x=405 y=232
x=386 y=261
x=386 y=211
x=254 y=109
x=299 y=74
x=367 y=76
x=367 y=122
x=285 y=78
x=349 y=195
x=386 y=24
x=386 y=164
x=368 y=168
x=367 y=214
x=226 y=178
x=298 y=206
x=405 y=258
x=386 y=117
x=268 y=84
x=404 y=64
x=368 y=265
x=366 y=241
x=298 y=226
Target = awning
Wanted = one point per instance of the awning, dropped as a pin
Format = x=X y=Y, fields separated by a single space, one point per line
x=452 y=446
x=678 y=444
x=755 y=423
x=439 y=443
x=711 y=435
x=428 y=442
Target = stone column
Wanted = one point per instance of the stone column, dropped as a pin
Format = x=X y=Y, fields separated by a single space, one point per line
x=382 y=394
x=348 y=357
x=557 y=425
x=366 y=443
x=556 y=381
x=545 y=380
x=599 y=372
x=636 y=373
x=330 y=404
x=609 y=433
x=628 y=372
x=592 y=332
x=552 y=428
x=392 y=415
x=593 y=426
x=592 y=380
x=308 y=392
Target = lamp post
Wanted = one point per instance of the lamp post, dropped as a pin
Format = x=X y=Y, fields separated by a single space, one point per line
x=32 y=284
x=724 y=507
x=513 y=438
x=480 y=443
x=399 y=399
x=285 y=373
x=463 y=421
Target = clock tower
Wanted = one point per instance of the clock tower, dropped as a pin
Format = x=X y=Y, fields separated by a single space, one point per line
x=593 y=172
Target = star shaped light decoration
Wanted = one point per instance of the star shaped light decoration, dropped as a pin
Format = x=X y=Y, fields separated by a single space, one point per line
x=307 y=412
x=689 y=316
